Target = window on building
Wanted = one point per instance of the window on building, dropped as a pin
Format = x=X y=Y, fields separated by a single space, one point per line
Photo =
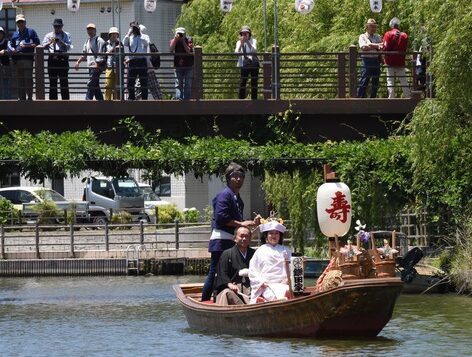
x=10 y=180
x=7 y=21
x=162 y=186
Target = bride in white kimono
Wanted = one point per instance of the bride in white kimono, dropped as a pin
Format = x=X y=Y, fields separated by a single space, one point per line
x=267 y=272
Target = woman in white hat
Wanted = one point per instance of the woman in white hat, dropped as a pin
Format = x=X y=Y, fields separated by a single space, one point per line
x=113 y=48
x=267 y=271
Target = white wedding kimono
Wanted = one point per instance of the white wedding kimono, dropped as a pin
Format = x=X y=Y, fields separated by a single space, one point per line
x=268 y=266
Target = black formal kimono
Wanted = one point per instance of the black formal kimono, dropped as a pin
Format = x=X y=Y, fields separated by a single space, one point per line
x=227 y=271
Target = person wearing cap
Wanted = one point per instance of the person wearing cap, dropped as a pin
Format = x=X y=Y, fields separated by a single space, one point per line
x=136 y=43
x=182 y=46
x=396 y=41
x=232 y=286
x=21 y=47
x=228 y=208
x=5 y=68
x=267 y=268
x=58 y=43
x=113 y=59
x=93 y=51
x=370 y=44
x=247 y=61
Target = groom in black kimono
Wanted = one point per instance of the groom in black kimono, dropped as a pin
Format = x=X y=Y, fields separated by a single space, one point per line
x=232 y=286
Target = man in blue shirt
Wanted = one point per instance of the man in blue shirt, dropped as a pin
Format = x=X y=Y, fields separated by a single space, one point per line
x=21 y=47
x=228 y=210
x=57 y=43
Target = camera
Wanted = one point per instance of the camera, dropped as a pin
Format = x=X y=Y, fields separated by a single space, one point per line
x=56 y=39
x=180 y=35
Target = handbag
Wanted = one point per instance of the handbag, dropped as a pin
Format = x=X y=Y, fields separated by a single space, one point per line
x=250 y=62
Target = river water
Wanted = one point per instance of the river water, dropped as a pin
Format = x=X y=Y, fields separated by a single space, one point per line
x=139 y=316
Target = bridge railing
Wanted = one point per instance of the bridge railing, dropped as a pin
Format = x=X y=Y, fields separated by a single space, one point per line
x=216 y=76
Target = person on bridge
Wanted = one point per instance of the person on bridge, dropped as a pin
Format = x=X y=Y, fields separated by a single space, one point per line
x=58 y=42
x=396 y=41
x=114 y=47
x=93 y=51
x=247 y=61
x=370 y=44
x=228 y=208
x=232 y=286
x=21 y=47
x=182 y=46
x=5 y=68
x=137 y=43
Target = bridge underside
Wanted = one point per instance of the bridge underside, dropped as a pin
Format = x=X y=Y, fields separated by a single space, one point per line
x=333 y=119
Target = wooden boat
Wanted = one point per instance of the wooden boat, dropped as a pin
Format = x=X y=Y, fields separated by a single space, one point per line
x=358 y=308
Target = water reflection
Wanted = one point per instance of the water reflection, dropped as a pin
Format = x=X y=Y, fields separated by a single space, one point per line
x=121 y=316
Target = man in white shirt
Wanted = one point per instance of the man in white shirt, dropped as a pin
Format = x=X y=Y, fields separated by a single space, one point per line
x=370 y=44
x=58 y=43
x=136 y=43
x=94 y=47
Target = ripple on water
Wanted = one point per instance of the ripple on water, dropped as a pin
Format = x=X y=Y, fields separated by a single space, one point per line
x=122 y=316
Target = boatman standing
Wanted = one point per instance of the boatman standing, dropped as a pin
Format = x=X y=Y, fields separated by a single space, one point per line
x=228 y=208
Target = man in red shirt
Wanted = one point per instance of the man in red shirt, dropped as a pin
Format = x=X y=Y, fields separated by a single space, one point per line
x=396 y=41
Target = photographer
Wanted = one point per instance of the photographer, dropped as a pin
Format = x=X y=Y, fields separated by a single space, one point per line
x=58 y=42
x=135 y=42
x=248 y=62
x=183 y=64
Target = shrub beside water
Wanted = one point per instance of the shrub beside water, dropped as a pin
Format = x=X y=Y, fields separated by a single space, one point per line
x=461 y=263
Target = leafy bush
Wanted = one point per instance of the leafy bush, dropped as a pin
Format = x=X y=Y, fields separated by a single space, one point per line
x=7 y=213
x=47 y=211
x=121 y=217
x=190 y=215
x=169 y=213
x=207 y=213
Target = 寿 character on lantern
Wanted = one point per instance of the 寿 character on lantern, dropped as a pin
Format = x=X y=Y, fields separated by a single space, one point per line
x=334 y=208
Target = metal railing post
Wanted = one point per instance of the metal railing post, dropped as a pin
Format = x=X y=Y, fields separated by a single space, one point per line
x=176 y=222
x=36 y=240
x=2 y=242
x=72 y=253
x=414 y=78
x=275 y=72
x=198 y=73
x=353 y=71
x=39 y=73
x=267 y=76
x=107 y=237
x=141 y=232
x=156 y=217
x=341 y=75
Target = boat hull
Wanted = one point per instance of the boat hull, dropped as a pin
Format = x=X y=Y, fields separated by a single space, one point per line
x=360 y=308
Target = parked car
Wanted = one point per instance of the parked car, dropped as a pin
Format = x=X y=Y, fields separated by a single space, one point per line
x=25 y=198
x=151 y=200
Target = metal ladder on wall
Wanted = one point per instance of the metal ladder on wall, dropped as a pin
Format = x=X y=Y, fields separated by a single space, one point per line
x=134 y=263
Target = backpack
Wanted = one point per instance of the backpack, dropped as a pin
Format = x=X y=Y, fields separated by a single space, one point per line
x=155 y=57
